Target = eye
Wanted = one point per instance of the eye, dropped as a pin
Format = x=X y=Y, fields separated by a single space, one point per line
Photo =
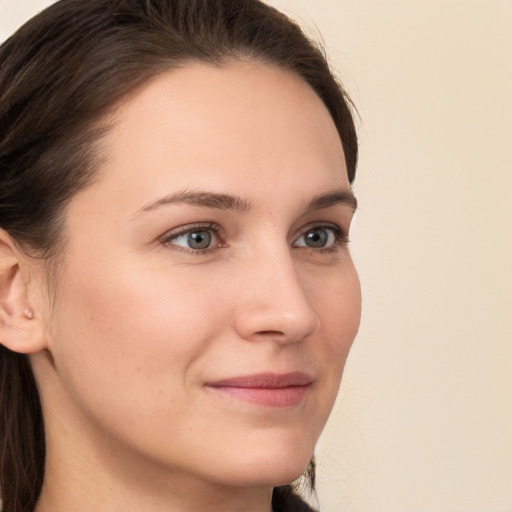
x=194 y=239
x=320 y=237
x=200 y=239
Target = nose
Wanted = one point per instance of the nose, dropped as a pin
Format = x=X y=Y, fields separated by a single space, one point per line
x=274 y=304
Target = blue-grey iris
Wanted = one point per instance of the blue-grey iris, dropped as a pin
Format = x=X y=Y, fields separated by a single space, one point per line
x=316 y=238
x=199 y=239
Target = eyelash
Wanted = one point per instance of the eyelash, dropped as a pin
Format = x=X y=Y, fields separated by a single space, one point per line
x=214 y=228
x=341 y=238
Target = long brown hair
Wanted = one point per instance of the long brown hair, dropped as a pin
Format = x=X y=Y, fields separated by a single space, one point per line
x=60 y=75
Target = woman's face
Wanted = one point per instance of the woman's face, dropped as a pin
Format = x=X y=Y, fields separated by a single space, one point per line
x=207 y=301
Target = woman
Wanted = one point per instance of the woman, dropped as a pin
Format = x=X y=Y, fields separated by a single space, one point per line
x=177 y=299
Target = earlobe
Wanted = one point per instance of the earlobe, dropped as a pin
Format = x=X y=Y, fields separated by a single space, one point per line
x=20 y=327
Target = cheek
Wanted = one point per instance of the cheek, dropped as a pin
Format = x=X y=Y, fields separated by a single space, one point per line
x=336 y=298
x=132 y=331
x=337 y=301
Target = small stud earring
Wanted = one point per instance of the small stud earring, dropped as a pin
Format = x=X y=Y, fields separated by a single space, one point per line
x=29 y=313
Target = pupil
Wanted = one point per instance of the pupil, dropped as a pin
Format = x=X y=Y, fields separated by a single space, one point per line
x=199 y=240
x=316 y=238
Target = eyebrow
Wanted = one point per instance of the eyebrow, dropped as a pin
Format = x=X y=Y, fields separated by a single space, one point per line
x=204 y=199
x=333 y=198
x=236 y=203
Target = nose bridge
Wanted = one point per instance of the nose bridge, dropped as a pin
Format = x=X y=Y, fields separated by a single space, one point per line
x=275 y=303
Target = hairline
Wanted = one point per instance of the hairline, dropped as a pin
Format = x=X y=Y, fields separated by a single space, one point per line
x=97 y=130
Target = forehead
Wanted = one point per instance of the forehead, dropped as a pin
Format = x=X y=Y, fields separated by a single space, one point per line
x=227 y=127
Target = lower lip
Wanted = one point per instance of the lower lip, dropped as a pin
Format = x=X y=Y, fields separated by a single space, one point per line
x=268 y=397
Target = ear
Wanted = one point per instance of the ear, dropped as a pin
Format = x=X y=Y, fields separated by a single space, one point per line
x=20 y=326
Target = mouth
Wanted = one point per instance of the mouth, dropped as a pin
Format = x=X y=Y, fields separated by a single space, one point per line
x=266 y=389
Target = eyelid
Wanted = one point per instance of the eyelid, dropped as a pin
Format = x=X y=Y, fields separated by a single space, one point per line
x=169 y=236
x=340 y=232
x=341 y=236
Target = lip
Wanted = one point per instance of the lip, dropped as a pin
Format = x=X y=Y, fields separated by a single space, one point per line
x=266 y=389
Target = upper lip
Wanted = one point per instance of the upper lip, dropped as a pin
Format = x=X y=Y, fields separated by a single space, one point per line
x=265 y=380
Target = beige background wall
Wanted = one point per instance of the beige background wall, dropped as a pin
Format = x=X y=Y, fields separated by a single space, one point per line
x=424 y=423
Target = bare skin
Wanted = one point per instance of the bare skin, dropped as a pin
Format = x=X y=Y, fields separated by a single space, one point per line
x=211 y=253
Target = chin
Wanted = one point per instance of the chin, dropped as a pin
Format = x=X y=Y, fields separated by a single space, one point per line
x=267 y=467
x=266 y=456
x=268 y=477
